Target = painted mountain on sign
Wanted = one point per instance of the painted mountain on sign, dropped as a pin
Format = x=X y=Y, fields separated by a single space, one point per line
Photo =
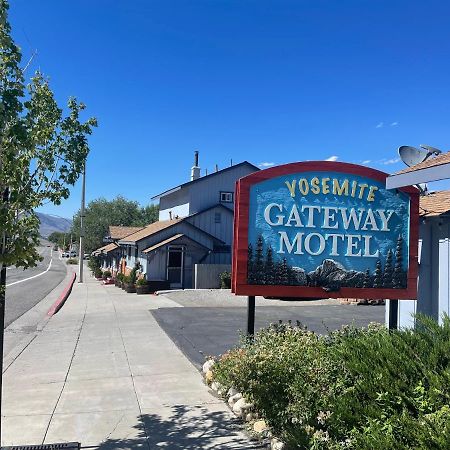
x=332 y=275
x=265 y=268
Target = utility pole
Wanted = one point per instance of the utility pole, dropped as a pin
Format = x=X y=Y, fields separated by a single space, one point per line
x=81 y=248
x=4 y=205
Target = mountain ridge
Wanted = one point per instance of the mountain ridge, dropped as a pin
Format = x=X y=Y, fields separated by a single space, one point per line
x=50 y=224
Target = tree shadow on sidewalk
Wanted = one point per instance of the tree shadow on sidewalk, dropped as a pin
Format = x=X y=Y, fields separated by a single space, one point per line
x=185 y=427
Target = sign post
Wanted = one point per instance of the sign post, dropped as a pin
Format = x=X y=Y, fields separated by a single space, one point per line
x=324 y=229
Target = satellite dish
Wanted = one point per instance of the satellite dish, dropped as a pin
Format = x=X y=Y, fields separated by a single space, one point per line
x=412 y=155
x=431 y=149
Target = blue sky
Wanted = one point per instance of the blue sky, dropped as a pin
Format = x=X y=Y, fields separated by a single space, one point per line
x=265 y=81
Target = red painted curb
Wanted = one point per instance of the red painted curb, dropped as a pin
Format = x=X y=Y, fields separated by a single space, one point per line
x=63 y=297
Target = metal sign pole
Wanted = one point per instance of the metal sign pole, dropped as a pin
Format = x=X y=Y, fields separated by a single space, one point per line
x=393 y=314
x=250 y=316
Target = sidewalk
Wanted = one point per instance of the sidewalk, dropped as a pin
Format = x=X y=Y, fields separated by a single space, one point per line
x=103 y=373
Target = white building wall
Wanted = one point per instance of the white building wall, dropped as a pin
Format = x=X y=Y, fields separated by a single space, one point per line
x=434 y=274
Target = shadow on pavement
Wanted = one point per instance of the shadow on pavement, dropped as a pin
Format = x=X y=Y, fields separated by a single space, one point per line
x=185 y=427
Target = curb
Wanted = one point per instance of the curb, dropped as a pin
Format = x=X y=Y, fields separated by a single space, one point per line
x=63 y=297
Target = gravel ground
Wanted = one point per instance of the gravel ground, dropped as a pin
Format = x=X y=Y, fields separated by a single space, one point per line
x=223 y=298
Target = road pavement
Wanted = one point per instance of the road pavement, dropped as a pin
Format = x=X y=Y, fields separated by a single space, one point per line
x=26 y=288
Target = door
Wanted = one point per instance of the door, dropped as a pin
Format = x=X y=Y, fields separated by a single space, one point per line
x=175 y=267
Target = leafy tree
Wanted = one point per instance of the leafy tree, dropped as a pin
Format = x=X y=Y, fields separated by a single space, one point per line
x=388 y=270
x=378 y=277
x=42 y=151
x=101 y=213
x=149 y=214
x=59 y=238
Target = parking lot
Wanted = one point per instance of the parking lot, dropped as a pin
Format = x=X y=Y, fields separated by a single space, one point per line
x=211 y=321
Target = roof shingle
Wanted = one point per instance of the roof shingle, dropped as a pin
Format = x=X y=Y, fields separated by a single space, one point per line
x=150 y=229
x=443 y=158
x=435 y=204
x=119 y=232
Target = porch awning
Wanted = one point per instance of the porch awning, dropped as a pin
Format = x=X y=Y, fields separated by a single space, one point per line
x=160 y=244
x=168 y=241
x=432 y=169
x=105 y=249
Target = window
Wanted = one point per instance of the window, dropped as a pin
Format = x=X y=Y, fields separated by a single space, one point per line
x=226 y=197
x=217 y=217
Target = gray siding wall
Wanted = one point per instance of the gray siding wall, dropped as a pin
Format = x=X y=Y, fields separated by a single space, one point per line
x=205 y=192
x=157 y=262
x=207 y=222
x=207 y=276
x=434 y=272
x=179 y=228
x=178 y=203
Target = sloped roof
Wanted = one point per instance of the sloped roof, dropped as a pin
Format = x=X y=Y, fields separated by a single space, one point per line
x=106 y=248
x=160 y=244
x=209 y=176
x=443 y=158
x=119 y=232
x=149 y=230
x=435 y=204
x=168 y=241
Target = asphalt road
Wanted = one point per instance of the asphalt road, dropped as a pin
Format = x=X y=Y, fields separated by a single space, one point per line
x=204 y=331
x=26 y=288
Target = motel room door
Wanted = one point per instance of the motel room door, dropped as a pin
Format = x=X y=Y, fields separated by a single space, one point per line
x=175 y=263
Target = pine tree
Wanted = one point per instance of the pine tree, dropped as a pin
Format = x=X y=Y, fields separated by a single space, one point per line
x=378 y=276
x=259 y=262
x=270 y=267
x=388 y=270
x=284 y=272
x=398 y=277
x=367 y=283
x=250 y=265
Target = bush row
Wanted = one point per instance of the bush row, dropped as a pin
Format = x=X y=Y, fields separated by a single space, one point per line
x=352 y=389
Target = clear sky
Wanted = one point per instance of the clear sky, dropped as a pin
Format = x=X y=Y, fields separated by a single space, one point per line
x=265 y=81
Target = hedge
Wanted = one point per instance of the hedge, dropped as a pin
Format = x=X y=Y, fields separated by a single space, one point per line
x=352 y=389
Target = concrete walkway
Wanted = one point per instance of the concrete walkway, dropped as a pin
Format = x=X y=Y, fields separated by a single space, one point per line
x=103 y=373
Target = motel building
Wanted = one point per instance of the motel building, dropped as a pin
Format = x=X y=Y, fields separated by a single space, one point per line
x=434 y=243
x=190 y=245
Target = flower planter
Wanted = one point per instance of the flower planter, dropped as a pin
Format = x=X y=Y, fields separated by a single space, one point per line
x=130 y=288
x=145 y=289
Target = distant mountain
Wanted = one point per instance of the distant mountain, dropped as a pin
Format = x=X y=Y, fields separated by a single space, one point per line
x=50 y=223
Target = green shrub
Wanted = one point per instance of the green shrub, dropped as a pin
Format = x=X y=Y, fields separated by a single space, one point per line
x=133 y=273
x=120 y=276
x=127 y=279
x=106 y=274
x=356 y=389
x=93 y=264
x=72 y=261
x=225 y=280
x=141 y=282
x=98 y=273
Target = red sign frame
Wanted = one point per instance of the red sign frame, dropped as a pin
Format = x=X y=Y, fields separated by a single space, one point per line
x=240 y=240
